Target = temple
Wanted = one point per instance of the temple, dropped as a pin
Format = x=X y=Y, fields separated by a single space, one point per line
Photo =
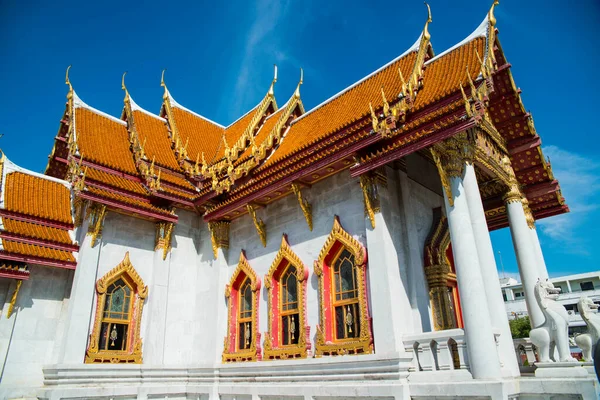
x=341 y=252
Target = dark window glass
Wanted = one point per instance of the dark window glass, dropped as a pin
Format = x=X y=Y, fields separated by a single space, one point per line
x=245 y=316
x=289 y=324
x=587 y=285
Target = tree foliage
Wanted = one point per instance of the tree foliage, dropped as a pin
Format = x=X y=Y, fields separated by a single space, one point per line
x=520 y=327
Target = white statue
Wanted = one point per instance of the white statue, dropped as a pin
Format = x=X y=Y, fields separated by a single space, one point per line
x=589 y=313
x=555 y=330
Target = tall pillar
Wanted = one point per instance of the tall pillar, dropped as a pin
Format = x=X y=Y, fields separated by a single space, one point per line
x=489 y=271
x=479 y=335
x=389 y=297
x=541 y=262
x=525 y=252
x=81 y=301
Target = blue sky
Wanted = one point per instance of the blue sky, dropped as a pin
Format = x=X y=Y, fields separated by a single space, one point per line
x=219 y=58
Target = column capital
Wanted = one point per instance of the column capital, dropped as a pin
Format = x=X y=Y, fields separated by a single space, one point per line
x=451 y=156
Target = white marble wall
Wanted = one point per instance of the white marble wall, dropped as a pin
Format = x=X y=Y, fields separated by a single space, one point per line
x=28 y=338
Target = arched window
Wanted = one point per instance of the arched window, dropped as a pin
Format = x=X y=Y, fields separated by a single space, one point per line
x=288 y=335
x=116 y=333
x=242 y=342
x=345 y=325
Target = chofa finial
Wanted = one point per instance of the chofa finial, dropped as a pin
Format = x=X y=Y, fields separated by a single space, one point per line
x=426 y=34
x=271 y=89
x=297 y=92
x=68 y=82
x=123 y=84
x=162 y=79
x=491 y=16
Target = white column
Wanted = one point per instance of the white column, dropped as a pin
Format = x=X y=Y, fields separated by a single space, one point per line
x=535 y=240
x=81 y=302
x=489 y=271
x=526 y=257
x=156 y=310
x=389 y=298
x=480 y=340
x=569 y=286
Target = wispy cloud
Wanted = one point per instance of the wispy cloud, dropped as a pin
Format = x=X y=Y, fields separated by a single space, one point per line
x=579 y=178
x=268 y=15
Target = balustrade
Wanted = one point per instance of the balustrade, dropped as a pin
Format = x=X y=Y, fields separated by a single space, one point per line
x=438 y=351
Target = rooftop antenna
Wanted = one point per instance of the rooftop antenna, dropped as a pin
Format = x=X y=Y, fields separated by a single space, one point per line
x=501 y=265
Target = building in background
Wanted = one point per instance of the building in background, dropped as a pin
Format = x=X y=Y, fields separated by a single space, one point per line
x=572 y=288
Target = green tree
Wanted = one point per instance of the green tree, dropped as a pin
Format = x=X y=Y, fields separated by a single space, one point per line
x=520 y=327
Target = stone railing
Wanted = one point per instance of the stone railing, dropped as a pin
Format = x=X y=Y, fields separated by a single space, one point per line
x=437 y=351
x=526 y=354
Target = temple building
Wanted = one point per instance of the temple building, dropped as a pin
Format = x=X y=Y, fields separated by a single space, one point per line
x=341 y=252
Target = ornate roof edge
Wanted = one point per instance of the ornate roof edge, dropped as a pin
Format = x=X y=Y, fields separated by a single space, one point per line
x=413 y=48
x=175 y=104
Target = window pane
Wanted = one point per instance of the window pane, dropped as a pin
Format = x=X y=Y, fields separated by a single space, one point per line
x=246 y=296
x=339 y=322
x=289 y=332
x=103 y=336
x=117 y=337
x=245 y=335
x=291 y=286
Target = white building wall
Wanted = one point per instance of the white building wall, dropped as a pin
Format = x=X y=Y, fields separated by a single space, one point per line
x=28 y=338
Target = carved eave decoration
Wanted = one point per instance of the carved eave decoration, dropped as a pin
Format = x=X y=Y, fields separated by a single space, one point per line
x=364 y=343
x=254 y=353
x=219 y=235
x=134 y=354
x=96 y=214
x=368 y=185
x=300 y=350
x=260 y=226
x=164 y=233
x=305 y=206
x=393 y=115
x=13 y=298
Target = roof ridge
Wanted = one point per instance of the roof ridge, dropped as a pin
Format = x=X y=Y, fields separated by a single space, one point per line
x=135 y=107
x=480 y=31
x=78 y=103
x=414 y=47
x=245 y=114
x=174 y=103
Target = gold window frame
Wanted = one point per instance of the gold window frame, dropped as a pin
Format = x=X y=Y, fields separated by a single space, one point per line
x=254 y=352
x=133 y=352
x=302 y=348
x=364 y=343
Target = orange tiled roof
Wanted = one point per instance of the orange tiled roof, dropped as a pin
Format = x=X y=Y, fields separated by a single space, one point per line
x=104 y=141
x=37 y=197
x=36 y=251
x=204 y=136
x=345 y=109
x=153 y=133
x=176 y=180
x=36 y=231
x=443 y=75
x=116 y=181
x=126 y=199
x=178 y=192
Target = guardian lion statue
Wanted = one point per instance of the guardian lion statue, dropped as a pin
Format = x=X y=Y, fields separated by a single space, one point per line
x=589 y=313
x=555 y=329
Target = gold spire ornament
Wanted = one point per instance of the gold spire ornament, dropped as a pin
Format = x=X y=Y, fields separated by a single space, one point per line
x=68 y=82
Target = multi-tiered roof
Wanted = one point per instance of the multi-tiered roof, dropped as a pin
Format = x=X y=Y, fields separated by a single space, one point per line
x=147 y=165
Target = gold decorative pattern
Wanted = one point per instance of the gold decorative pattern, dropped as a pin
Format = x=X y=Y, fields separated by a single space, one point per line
x=219 y=235
x=528 y=214
x=164 y=232
x=304 y=205
x=97 y=212
x=370 y=192
x=78 y=207
x=254 y=352
x=364 y=343
x=300 y=350
x=133 y=353
x=13 y=299
x=260 y=226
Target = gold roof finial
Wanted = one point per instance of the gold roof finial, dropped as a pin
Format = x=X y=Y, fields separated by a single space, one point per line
x=163 y=84
x=386 y=105
x=68 y=82
x=271 y=89
x=297 y=92
x=426 y=34
x=491 y=16
x=123 y=85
